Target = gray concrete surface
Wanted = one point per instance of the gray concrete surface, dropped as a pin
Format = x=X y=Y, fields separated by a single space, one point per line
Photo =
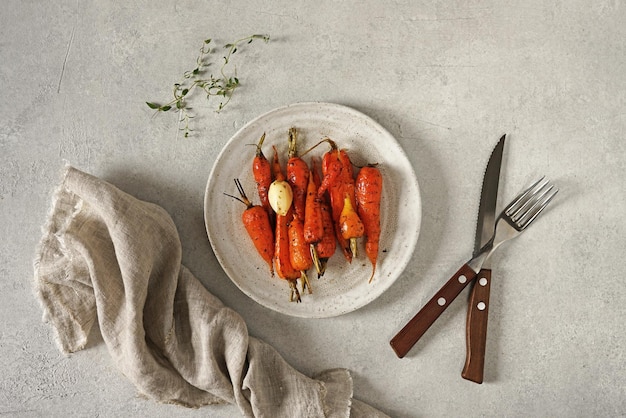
x=446 y=78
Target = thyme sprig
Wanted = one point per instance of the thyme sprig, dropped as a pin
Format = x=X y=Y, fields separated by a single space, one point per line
x=222 y=85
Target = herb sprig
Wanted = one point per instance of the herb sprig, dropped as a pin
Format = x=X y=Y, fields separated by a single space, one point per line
x=222 y=85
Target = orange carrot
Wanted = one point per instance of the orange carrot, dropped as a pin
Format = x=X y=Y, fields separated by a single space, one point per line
x=277 y=171
x=262 y=172
x=331 y=167
x=369 y=186
x=257 y=223
x=326 y=247
x=299 y=251
x=313 y=221
x=332 y=182
x=281 y=245
x=282 y=255
x=350 y=224
x=297 y=175
x=313 y=225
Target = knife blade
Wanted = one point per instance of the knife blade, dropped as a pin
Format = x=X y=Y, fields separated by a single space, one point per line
x=478 y=306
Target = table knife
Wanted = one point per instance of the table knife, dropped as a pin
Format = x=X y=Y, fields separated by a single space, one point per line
x=478 y=306
x=404 y=340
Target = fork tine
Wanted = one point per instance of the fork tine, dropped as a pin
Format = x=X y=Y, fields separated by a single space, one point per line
x=540 y=205
x=522 y=198
x=531 y=201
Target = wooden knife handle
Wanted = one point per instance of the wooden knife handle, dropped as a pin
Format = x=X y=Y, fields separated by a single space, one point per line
x=417 y=326
x=476 y=330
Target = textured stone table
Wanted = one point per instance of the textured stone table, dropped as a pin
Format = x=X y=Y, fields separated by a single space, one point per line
x=445 y=78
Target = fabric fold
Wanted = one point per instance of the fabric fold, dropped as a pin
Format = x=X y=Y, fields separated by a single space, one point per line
x=110 y=257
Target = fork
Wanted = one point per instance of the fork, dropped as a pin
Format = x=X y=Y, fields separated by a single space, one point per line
x=514 y=219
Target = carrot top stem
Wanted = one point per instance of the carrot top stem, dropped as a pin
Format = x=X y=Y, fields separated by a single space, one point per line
x=354 y=248
x=244 y=199
x=316 y=260
x=293 y=149
x=259 y=151
x=294 y=294
x=333 y=146
x=305 y=282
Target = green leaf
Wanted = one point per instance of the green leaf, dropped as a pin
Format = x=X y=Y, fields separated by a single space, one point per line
x=153 y=105
x=165 y=108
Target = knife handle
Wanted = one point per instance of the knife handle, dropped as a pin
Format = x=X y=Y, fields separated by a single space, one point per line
x=419 y=324
x=476 y=329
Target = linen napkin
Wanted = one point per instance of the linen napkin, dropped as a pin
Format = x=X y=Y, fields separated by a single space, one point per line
x=106 y=256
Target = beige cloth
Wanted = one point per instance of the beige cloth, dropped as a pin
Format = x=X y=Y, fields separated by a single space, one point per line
x=106 y=256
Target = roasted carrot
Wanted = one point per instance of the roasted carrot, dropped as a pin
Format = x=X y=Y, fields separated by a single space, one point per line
x=297 y=175
x=281 y=242
x=369 y=186
x=325 y=248
x=313 y=224
x=262 y=172
x=346 y=165
x=299 y=251
x=341 y=188
x=331 y=167
x=257 y=223
x=350 y=224
x=277 y=171
x=282 y=256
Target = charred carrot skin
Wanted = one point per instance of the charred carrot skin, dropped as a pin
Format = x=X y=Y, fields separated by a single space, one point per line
x=350 y=224
x=297 y=175
x=282 y=261
x=257 y=224
x=277 y=171
x=326 y=247
x=300 y=256
x=369 y=186
x=314 y=220
x=282 y=257
x=284 y=268
x=299 y=251
x=313 y=224
x=332 y=168
x=262 y=172
x=341 y=189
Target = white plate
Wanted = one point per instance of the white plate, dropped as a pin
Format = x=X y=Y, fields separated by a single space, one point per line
x=344 y=287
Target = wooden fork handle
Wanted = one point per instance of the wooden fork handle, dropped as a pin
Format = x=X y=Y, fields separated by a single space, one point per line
x=476 y=328
x=419 y=324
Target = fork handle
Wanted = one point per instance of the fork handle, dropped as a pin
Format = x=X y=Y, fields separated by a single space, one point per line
x=476 y=329
x=419 y=324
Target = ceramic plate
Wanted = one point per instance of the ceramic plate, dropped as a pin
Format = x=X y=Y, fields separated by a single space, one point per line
x=344 y=287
